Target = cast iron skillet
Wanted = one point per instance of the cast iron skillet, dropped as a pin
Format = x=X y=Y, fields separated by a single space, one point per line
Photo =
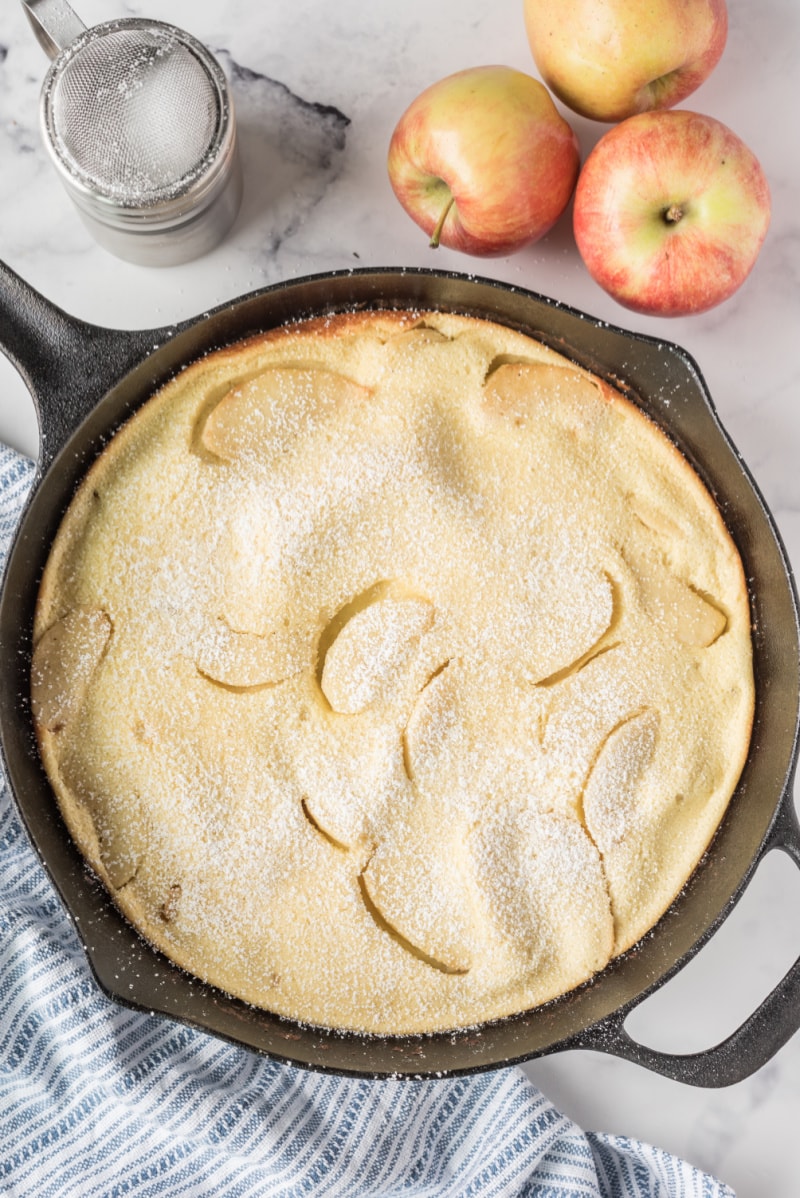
x=86 y=380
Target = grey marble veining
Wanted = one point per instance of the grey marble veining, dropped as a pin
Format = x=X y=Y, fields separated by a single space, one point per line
x=318 y=89
x=291 y=149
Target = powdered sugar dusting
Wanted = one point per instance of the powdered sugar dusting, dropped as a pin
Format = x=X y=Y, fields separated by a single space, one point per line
x=388 y=727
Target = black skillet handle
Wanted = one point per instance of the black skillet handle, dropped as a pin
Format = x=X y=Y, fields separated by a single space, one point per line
x=66 y=363
x=753 y=1044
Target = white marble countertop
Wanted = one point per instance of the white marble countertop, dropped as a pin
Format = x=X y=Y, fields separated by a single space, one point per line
x=319 y=89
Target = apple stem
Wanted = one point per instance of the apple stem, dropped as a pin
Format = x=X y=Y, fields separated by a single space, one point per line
x=673 y=214
x=437 y=232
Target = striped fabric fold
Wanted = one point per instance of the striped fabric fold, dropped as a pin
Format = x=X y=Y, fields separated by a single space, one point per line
x=97 y=1101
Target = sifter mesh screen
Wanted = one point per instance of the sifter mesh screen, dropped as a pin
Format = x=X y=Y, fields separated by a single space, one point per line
x=134 y=112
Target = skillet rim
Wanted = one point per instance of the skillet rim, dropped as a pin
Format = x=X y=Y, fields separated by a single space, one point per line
x=408 y=1061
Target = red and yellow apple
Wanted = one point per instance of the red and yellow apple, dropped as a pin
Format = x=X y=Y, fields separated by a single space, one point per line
x=671 y=209
x=483 y=161
x=611 y=59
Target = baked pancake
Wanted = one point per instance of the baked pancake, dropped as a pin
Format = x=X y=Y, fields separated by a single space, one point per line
x=392 y=672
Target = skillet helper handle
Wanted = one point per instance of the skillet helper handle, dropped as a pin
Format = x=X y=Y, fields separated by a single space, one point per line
x=747 y=1049
x=66 y=363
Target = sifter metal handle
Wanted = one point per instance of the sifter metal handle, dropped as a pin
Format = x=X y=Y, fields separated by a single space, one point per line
x=55 y=24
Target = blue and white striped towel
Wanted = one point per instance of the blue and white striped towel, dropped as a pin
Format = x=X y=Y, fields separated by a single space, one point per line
x=99 y=1101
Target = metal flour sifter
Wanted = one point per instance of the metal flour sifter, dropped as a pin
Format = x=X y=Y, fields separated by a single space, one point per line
x=137 y=117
